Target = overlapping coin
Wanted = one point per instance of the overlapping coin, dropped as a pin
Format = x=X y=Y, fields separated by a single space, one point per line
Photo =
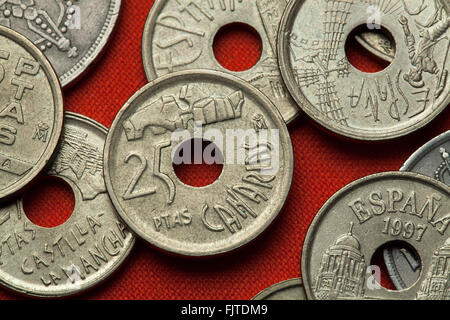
x=249 y=135
x=31 y=112
x=89 y=246
x=291 y=289
x=378 y=44
x=432 y=160
x=71 y=33
x=391 y=103
x=366 y=215
x=179 y=35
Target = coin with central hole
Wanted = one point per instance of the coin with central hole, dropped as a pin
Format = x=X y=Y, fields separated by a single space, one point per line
x=179 y=35
x=291 y=289
x=89 y=246
x=31 y=112
x=432 y=160
x=71 y=33
x=364 y=216
x=394 y=102
x=149 y=135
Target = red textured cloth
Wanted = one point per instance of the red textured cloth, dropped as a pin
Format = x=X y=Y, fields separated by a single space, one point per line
x=323 y=165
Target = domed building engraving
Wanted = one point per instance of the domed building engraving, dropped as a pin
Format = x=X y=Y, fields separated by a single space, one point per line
x=342 y=271
x=436 y=286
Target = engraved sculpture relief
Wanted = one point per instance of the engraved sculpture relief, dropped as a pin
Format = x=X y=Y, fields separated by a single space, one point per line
x=436 y=285
x=50 y=30
x=169 y=113
x=81 y=162
x=269 y=80
x=421 y=51
x=442 y=173
x=342 y=271
x=324 y=60
x=175 y=58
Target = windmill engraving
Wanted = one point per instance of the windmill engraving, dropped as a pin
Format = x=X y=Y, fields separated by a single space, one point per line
x=326 y=63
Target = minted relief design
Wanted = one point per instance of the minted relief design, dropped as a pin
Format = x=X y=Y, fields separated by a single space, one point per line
x=436 y=285
x=321 y=67
x=50 y=30
x=342 y=271
x=41 y=132
x=269 y=79
x=387 y=98
x=442 y=173
x=201 y=108
x=186 y=30
x=171 y=113
x=421 y=51
x=81 y=162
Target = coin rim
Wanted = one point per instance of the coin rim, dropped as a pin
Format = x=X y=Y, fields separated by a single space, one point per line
x=322 y=213
x=288 y=164
x=58 y=112
x=79 y=69
x=105 y=275
x=420 y=153
x=284 y=61
x=412 y=161
x=150 y=70
x=392 y=271
x=294 y=282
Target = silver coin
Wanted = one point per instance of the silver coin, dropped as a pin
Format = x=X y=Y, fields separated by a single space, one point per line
x=391 y=103
x=31 y=112
x=291 y=289
x=402 y=265
x=366 y=215
x=179 y=35
x=432 y=160
x=378 y=44
x=144 y=139
x=89 y=246
x=71 y=33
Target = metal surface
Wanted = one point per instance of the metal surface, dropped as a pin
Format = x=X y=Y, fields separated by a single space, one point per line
x=432 y=160
x=71 y=33
x=378 y=44
x=179 y=36
x=291 y=289
x=391 y=103
x=364 y=216
x=402 y=265
x=89 y=246
x=31 y=112
x=179 y=218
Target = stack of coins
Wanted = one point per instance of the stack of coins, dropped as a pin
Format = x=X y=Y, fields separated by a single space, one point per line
x=44 y=47
x=124 y=180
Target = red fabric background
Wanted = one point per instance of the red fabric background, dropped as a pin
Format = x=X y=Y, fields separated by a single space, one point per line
x=323 y=165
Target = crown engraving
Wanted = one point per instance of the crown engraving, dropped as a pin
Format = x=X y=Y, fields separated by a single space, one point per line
x=442 y=173
x=48 y=28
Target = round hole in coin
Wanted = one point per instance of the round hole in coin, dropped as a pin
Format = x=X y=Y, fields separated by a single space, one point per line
x=49 y=203
x=237 y=47
x=373 y=52
x=198 y=162
x=396 y=265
